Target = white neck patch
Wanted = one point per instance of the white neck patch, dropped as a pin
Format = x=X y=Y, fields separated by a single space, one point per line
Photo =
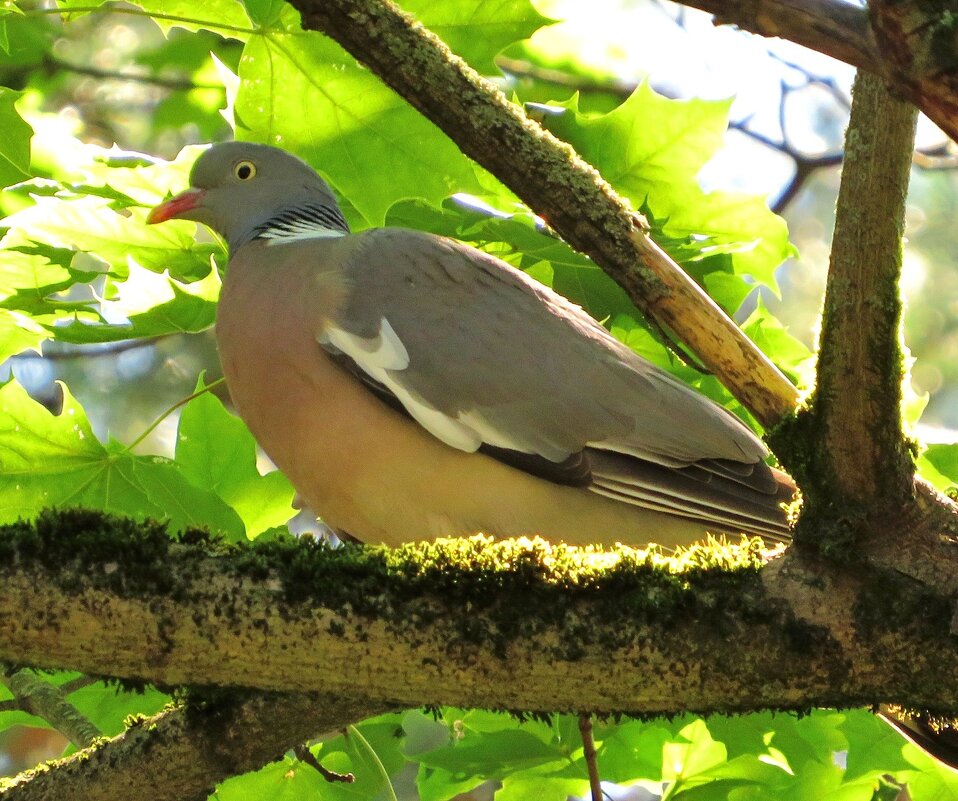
x=307 y=221
x=298 y=231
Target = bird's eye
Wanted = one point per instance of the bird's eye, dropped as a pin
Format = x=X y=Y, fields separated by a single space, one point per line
x=244 y=170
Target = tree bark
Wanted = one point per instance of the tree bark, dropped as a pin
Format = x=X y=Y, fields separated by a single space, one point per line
x=834 y=27
x=909 y=43
x=436 y=624
x=182 y=754
x=863 y=458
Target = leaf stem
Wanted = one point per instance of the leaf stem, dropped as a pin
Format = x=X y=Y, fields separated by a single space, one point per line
x=354 y=732
x=181 y=402
x=588 y=753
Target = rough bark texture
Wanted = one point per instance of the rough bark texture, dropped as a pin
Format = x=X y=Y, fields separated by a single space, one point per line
x=847 y=448
x=920 y=541
x=918 y=40
x=437 y=623
x=551 y=179
x=182 y=754
x=860 y=372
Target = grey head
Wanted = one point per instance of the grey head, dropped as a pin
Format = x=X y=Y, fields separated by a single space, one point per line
x=245 y=191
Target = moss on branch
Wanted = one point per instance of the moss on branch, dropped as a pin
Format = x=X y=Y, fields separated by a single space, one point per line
x=182 y=753
x=514 y=624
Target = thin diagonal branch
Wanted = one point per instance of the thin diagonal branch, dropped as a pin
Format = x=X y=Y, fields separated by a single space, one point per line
x=550 y=178
x=185 y=84
x=78 y=683
x=45 y=700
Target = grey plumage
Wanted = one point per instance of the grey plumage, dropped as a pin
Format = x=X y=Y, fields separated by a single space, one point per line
x=552 y=382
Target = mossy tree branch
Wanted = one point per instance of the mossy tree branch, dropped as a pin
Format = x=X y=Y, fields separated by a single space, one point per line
x=848 y=450
x=553 y=180
x=436 y=624
x=863 y=454
x=181 y=754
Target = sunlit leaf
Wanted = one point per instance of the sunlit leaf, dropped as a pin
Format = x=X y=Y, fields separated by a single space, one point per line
x=149 y=305
x=34 y=271
x=695 y=752
x=285 y=780
x=520 y=787
x=790 y=354
x=89 y=224
x=874 y=747
x=939 y=464
x=933 y=781
x=652 y=148
x=107 y=707
x=493 y=754
x=15 y=142
x=56 y=460
x=632 y=751
x=215 y=450
x=19 y=333
x=478 y=30
x=372 y=146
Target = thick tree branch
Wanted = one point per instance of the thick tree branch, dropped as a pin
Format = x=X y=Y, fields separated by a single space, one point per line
x=860 y=371
x=437 y=624
x=833 y=27
x=551 y=179
x=848 y=450
x=181 y=754
x=911 y=43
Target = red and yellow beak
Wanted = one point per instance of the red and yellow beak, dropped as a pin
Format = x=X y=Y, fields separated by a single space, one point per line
x=176 y=206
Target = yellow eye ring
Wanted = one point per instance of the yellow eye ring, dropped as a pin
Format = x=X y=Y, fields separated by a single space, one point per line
x=244 y=170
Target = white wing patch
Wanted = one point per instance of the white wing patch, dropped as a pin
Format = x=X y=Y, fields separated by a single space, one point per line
x=385 y=351
x=440 y=425
x=384 y=354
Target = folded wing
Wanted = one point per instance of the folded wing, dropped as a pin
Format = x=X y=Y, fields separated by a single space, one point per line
x=485 y=358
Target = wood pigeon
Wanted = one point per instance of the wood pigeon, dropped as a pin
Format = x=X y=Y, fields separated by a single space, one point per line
x=413 y=387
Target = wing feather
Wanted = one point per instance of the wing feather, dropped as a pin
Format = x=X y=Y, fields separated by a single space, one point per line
x=484 y=357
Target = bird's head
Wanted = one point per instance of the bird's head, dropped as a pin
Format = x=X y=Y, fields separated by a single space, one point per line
x=243 y=191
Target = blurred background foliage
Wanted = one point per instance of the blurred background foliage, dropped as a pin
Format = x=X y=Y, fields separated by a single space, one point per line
x=106 y=96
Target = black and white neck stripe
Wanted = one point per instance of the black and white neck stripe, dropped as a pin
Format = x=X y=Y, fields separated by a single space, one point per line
x=303 y=222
